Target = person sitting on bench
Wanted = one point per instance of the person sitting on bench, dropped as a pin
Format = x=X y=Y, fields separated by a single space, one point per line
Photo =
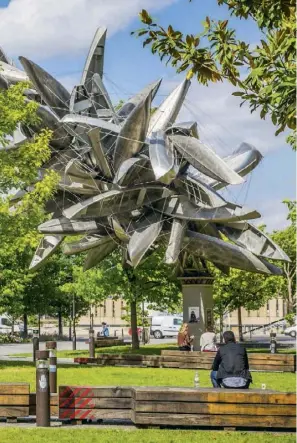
x=230 y=367
x=208 y=340
x=183 y=339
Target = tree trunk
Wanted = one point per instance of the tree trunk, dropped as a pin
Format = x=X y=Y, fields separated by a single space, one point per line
x=39 y=326
x=25 y=325
x=240 y=324
x=221 y=328
x=135 y=339
x=60 y=323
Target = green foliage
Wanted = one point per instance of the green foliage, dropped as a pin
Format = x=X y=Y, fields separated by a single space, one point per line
x=290 y=318
x=265 y=75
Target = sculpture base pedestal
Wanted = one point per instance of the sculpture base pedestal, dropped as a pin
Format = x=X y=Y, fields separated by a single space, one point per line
x=197 y=305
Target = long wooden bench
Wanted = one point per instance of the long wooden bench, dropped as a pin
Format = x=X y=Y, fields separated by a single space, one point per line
x=203 y=360
x=179 y=407
x=191 y=360
x=215 y=408
x=105 y=342
x=14 y=400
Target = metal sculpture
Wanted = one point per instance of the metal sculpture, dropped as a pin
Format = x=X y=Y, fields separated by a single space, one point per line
x=131 y=179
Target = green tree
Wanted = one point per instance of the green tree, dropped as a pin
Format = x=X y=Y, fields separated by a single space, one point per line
x=151 y=282
x=18 y=220
x=265 y=75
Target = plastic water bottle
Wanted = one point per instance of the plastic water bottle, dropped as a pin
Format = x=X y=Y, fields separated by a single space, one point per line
x=196 y=380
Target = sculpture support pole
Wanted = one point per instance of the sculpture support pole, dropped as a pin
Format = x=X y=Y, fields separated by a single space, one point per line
x=197 y=305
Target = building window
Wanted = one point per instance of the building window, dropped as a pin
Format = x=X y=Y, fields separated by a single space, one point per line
x=284 y=308
x=104 y=308
x=122 y=307
x=258 y=313
x=113 y=308
x=248 y=313
x=267 y=306
x=96 y=311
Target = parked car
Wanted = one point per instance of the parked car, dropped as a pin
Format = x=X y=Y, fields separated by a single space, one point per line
x=291 y=330
x=166 y=326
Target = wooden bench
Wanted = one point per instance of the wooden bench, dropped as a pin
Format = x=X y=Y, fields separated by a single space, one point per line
x=203 y=360
x=191 y=360
x=179 y=407
x=77 y=403
x=54 y=404
x=14 y=400
x=213 y=407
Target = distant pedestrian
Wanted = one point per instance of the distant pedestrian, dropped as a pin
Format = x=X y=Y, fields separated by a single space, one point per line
x=184 y=340
x=230 y=367
x=208 y=341
x=105 y=330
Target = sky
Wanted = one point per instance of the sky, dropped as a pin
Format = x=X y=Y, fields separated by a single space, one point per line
x=57 y=34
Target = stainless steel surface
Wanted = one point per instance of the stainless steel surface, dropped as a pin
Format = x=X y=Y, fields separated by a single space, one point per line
x=135 y=179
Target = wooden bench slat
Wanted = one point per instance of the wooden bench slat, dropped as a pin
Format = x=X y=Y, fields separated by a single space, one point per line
x=215 y=396
x=97 y=392
x=214 y=420
x=177 y=407
x=14 y=388
x=14 y=411
x=95 y=403
x=95 y=414
x=14 y=400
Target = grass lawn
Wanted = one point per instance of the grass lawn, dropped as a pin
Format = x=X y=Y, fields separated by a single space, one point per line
x=95 y=435
x=144 y=350
x=110 y=376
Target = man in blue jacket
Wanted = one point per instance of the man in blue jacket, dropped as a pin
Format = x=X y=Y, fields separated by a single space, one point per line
x=230 y=367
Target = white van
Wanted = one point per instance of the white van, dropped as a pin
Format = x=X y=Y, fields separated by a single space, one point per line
x=6 y=325
x=165 y=326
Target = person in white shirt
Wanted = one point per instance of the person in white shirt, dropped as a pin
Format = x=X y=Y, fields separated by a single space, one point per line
x=208 y=341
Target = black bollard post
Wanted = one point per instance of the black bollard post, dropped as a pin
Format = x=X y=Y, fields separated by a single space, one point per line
x=42 y=389
x=91 y=344
x=35 y=342
x=51 y=346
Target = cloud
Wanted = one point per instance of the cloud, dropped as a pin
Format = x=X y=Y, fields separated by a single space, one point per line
x=274 y=215
x=47 y=28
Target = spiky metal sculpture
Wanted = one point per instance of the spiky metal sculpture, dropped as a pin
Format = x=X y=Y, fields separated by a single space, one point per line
x=133 y=179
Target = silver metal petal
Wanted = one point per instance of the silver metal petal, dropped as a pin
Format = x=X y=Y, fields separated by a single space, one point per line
x=3 y=57
x=95 y=59
x=98 y=254
x=76 y=168
x=243 y=160
x=204 y=159
x=86 y=243
x=52 y=92
x=134 y=101
x=162 y=158
x=134 y=171
x=73 y=227
x=47 y=246
x=198 y=192
x=115 y=201
x=12 y=74
x=181 y=208
x=175 y=241
x=95 y=137
x=133 y=133
x=165 y=115
x=88 y=122
x=189 y=129
x=224 y=253
x=255 y=241
x=80 y=101
x=143 y=238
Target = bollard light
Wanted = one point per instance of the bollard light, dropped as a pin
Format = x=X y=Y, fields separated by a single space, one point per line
x=51 y=346
x=42 y=389
x=35 y=342
x=273 y=346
